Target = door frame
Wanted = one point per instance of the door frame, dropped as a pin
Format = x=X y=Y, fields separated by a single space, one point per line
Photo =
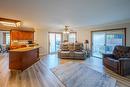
x=91 y=38
x=55 y=38
x=9 y=34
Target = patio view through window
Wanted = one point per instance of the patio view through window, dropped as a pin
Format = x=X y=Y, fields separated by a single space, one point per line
x=104 y=42
x=54 y=42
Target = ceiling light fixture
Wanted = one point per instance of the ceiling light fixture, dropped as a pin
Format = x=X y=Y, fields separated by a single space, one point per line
x=66 y=30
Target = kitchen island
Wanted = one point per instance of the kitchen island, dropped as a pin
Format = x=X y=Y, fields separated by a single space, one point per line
x=22 y=58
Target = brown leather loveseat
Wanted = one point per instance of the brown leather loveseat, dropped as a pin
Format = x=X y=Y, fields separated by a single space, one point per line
x=119 y=61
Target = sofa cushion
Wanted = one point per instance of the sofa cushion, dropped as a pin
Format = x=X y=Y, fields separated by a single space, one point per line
x=78 y=46
x=79 y=54
x=71 y=47
x=64 y=47
x=67 y=54
x=121 y=52
x=111 y=62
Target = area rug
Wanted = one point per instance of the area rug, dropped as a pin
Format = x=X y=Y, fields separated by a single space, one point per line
x=79 y=75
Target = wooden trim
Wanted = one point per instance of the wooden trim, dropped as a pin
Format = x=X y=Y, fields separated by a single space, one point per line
x=109 y=29
x=9 y=20
x=16 y=29
x=4 y=30
x=20 y=29
x=125 y=29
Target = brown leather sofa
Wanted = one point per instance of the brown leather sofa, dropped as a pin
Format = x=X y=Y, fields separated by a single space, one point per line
x=119 y=61
x=72 y=51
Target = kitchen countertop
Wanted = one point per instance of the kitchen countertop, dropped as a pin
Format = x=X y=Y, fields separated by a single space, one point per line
x=24 y=49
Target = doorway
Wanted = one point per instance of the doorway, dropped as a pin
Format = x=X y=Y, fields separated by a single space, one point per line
x=55 y=39
x=105 y=41
x=4 y=41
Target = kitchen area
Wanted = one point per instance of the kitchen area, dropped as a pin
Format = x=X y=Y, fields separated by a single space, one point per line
x=23 y=50
x=19 y=43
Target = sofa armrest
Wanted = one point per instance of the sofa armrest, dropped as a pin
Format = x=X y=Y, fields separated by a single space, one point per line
x=108 y=55
x=59 y=50
x=84 y=51
x=124 y=66
x=125 y=59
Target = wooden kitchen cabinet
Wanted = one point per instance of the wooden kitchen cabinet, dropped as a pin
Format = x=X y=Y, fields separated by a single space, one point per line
x=22 y=35
x=15 y=35
x=29 y=35
x=21 y=59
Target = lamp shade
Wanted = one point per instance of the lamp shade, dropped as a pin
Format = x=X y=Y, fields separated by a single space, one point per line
x=86 y=41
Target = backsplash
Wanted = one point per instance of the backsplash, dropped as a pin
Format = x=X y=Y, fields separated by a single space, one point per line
x=19 y=42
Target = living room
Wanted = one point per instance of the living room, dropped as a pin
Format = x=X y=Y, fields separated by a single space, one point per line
x=65 y=43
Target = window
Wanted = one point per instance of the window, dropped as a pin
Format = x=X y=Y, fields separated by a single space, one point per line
x=105 y=41
x=72 y=37
x=112 y=40
x=7 y=38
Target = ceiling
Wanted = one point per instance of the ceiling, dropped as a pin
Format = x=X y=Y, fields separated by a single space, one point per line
x=57 y=13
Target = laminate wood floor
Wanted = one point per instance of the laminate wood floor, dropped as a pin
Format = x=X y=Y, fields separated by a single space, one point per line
x=37 y=75
x=40 y=75
x=93 y=62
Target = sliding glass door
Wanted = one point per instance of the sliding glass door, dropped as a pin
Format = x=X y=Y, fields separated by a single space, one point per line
x=57 y=41
x=105 y=41
x=98 y=44
x=54 y=42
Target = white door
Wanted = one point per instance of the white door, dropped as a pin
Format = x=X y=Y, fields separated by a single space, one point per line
x=54 y=42
x=98 y=44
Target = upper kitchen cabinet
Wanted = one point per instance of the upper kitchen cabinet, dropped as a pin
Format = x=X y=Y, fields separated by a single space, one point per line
x=14 y=35
x=27 y=35
x=22 y=35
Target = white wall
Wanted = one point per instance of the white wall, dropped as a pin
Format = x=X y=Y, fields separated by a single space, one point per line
x=41 y=35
